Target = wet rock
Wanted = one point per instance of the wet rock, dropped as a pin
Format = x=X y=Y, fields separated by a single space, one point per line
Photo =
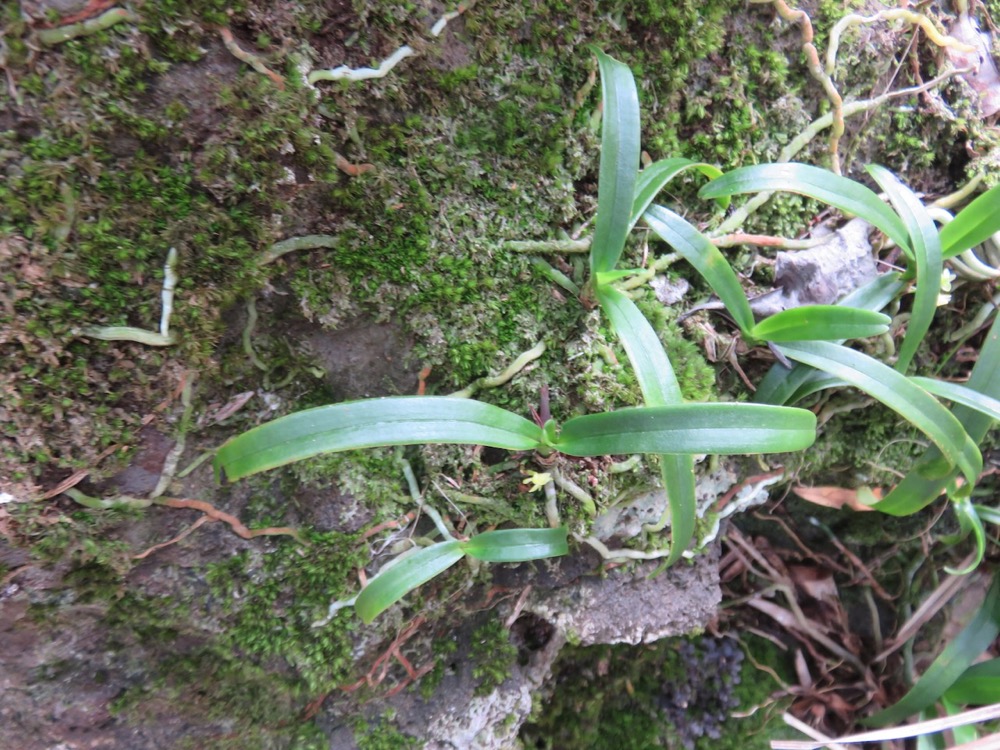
x=361 y=358
x=140 y=477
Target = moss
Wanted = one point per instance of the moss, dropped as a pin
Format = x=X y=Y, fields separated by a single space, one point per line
x=373 y=475
x=203 y=677
x=695 y=375
x=178 y=28
x=614 y=696
x=492 y=654
x=280 y=598
x=870 y=441
x=82 y=542
x=786 y=215
x=443 y=648
x=382 y=735
x=486 y=136
x=186 y=666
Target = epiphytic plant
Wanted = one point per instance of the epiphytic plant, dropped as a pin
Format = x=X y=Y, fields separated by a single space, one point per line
x=665 y=426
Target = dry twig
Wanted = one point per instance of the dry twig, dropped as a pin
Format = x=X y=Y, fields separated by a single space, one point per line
x=248 y=57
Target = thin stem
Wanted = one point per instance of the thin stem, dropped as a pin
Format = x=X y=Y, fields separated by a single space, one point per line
x=249 y=58
x=557 y=276
x=575 y=490
x=515 y=367
x=620 y=467
x=620 y=554
x=548 y=246
x=345 y=73
x=308 y=242
x=248 y=333
x=60 y=34
x=418 y=498
x=167 y=295
x=552 y=506
x=174 y=454
x=128 y=333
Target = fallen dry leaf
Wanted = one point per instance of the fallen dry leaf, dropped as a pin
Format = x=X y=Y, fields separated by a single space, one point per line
x=838 y=497
x=231 y=407
x=817 y=583
x=984 y=78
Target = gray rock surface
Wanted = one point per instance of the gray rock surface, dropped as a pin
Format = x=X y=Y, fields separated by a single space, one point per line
x=625 y=605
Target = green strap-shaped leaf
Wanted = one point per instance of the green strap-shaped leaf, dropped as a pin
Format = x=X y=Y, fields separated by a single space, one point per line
x=876 y=294
x=884 y=384
x=815 y=382
x=645 y=351
x=619 y=163
x=695 y=248
x=988 y=514
x=400 y=420
x=917 y=490
x=689 y=428
x=659 y=388
x=969 y=522
x=517 y=545
x=961 y=394
x=821 y=323
x=606 y=278
x=927 y=257
x=847 y=195
x=400 y=577
x=956 y=658
x=961 y=736
x=974 y=224
x=784 y=386
x=979 y=685
x=657 y=175
x=677 y=474
x=920 y=487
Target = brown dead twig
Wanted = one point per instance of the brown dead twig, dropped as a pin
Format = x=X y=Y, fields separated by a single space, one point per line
x=826 y=694
x=350 y=169
x=156 y=547
x=938 y=599
x=405 y=520
x=78 y=476
x=380 y=668
x=833 y=678
x=863 y=573
x=248 y=57
x=232 y=521
x=793 y=618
